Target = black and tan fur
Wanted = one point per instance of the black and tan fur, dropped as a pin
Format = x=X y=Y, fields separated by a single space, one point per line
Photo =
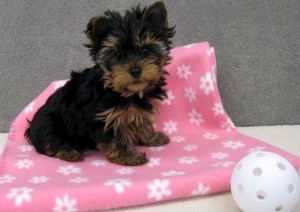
x=111 y=106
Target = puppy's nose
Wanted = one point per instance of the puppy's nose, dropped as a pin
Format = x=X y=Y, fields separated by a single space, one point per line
x=135 y=72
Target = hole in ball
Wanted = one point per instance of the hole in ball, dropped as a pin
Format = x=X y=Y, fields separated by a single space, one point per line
x=279 y=208
x=290 y=188
x=240 y=188
x=257 y=172
x=239 y=167
x=260 y=154
x=261 y=195
x=281 y=166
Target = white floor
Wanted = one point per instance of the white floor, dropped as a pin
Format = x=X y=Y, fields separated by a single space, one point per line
x=284 y=137
x=3 y=138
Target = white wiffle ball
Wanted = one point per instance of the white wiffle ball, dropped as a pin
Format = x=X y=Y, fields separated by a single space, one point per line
x=265 y=181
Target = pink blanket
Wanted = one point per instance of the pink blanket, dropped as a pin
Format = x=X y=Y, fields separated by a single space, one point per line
x=204 y=148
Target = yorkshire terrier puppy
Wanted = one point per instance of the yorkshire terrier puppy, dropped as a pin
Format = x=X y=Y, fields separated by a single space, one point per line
x=110 y=106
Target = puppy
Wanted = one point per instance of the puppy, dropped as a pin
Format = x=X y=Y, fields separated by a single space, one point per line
x=110 y=106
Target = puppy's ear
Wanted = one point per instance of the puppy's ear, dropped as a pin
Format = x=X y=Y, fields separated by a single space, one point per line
x=156 y=14
x=93 y=28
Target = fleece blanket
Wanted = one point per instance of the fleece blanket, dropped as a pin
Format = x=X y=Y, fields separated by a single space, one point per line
x=204 y=148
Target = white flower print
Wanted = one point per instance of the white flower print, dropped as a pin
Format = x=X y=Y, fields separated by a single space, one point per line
x=158 y=189
x=210 y=51
x=65 y=204
x=195 y=118
x=171 y=97
x=79 y=180
x=233 y=144
x=219 y=155
x=36 y=180
x=227 y=125
x=22 y=155
x=178 y=139
x=59 y=84
x=6 y=179
x=184 y=71
x=201 y=190
x=170 y=126
x=29 y=108
x=118 y=184
x=218 y=109
x=98 y=163
x=190 y=147
x=256 y=149
x=188 y=160
x=157 y=148
x=20 y=195
x=25 y=148
x=210 y=136
x=172 y=173
x=224 y=164
x=24 y=164
x=124 y=171
x=70 y=169
x=153 y=162
x=190 y=94
x=206 y=83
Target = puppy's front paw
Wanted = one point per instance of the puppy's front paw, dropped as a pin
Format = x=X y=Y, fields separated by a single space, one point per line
x=71 y=156
x=133 y=159
x=158 y=139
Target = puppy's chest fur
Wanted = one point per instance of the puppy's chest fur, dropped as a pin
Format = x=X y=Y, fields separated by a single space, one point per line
x=131 y=115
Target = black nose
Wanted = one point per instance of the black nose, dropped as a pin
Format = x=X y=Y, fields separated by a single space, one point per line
x=135 y=72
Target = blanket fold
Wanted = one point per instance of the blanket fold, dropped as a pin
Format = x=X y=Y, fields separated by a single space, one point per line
x=204 y=148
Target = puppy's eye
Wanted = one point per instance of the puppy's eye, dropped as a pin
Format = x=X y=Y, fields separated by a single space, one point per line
x=145 y=51
x=118 y=55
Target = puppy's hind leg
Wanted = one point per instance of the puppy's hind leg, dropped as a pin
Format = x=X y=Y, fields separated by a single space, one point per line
x=52 y=142
x=64 y=149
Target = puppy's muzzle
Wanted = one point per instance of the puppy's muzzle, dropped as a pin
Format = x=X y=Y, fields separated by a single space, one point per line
x=135 y=73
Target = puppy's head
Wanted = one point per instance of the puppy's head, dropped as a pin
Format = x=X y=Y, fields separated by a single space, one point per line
x=132 y=49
